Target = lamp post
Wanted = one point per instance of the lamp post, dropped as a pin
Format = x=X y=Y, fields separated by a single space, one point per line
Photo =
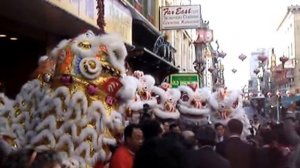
x=278 y=96
x=218 y=72
x=283 y=59
x=204 y=37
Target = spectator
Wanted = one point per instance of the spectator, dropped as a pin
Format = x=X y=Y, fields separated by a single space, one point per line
x=206 y=157
x=268 y=156
x=220 y=130
x=166 y=126
x=151 y=129
x=239 y=153
x=123 y=156
x=175 y=128
x=165 y=152
x=190 y=140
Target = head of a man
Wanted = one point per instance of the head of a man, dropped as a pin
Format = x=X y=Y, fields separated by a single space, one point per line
x=234 y=127
x=206 y=135
x=133 y=136
x=175 y=128
x=220 y=129
x=166 y=126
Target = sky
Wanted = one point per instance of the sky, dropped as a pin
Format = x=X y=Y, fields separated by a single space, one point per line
x=242 y=26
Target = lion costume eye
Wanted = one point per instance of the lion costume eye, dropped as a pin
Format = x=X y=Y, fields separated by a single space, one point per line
x=185 y=97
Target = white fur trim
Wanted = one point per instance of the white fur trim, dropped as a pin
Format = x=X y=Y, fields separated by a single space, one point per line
x=128 y=91
x=193 y=111
x=44 y=134
x=88 y=132
x=174 y=93
x=160 y=92
x=65 y=140
x=187 y=90
x=48 y=123
x=42 y=59
x=166 y=115
x=55 y=51
x=85 y=148
x=149 y=81
x=193 y=121
x=116 y=50
x=109 y=141
x=78 y=108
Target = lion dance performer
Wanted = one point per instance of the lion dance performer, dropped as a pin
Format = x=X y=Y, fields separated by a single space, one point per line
x=227 y=104
x=72 y=103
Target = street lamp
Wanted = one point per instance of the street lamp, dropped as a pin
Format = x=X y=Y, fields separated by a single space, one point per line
x=204 y=36
x=278 y=96
x=262 y=58
x=283 y=60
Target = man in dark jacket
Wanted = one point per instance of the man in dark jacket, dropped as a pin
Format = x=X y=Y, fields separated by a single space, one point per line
x=239 y=153
x=205 y=156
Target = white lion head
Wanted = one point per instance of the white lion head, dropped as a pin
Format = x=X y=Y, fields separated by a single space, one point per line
x=193 y=104
x=167 y=99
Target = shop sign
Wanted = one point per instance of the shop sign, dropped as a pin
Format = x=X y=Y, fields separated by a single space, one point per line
x=180 y=17
x=118 y=19
x=183 y=79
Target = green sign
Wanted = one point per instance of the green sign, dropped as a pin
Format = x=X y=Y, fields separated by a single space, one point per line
x=183 y=79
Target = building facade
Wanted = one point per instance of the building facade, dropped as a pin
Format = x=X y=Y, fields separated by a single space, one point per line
x=260 y=74
x=182 y=40
x=289 y=45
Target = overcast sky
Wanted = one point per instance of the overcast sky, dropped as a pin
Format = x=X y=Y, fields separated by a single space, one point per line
x=242 y=26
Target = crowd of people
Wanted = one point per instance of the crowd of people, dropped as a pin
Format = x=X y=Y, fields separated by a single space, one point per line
x=150 y=143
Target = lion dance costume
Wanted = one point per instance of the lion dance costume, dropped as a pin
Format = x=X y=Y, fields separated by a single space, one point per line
x=72 y=103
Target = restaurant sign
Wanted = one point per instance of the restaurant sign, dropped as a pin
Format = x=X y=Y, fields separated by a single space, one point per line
x=183 y=79
x=180 y=17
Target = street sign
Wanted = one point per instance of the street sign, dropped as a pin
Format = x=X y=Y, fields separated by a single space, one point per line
x=184 y=79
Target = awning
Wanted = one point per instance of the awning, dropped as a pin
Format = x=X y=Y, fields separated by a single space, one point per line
x=150 y=63
x=140 y=19
x=143 y=31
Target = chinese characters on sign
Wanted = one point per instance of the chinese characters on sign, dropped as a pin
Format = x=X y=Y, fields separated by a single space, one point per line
x=180 y=17
x=183 y=79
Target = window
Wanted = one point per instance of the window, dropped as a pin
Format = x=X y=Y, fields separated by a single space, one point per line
x=292 y=52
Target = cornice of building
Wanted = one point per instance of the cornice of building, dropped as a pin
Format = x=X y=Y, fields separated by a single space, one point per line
x=290 y=10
